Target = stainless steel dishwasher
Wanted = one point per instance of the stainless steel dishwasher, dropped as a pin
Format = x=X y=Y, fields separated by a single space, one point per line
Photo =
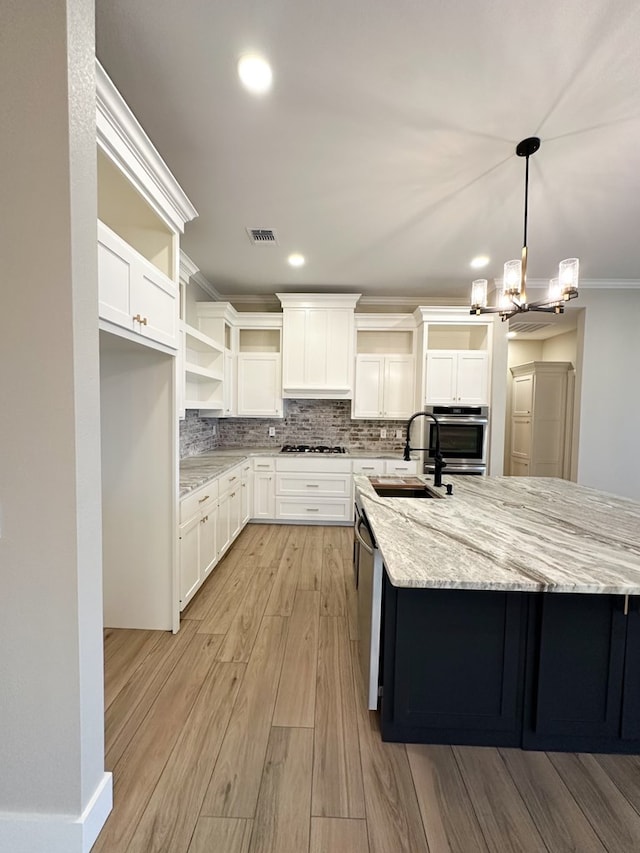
x=368 y=575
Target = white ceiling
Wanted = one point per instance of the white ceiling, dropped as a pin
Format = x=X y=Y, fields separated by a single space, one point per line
x=385 y=152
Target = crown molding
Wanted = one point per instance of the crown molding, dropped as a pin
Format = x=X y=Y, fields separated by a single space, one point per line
x=190 y=272
x=124 y=141
x=204 y=284
x=317 y=300
x=187 y=268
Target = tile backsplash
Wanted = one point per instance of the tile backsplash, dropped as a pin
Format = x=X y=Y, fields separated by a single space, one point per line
x=304 y=422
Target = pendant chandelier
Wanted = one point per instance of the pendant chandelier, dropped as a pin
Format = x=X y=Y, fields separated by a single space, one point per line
x=513 y=298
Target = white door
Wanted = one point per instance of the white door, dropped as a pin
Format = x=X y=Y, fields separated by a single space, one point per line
x=368 y=386
x=208 y=529
x=399 y=379
x=472 y=380
x=259 y=385
x=264 y=495
x=222 y=527
x=189 y=559
x=440 y=388
x=235 y=511
x=153 y=299
x=522 y=395
x=114 y=274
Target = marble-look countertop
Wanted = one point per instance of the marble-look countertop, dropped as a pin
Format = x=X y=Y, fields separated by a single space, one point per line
x=530 y=534
x=196 y=471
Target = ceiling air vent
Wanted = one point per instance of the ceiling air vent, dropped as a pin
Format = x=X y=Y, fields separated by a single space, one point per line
x=527 y=328
x=262 y=236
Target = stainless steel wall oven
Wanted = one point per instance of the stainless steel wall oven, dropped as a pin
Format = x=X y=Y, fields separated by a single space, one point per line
x=463 y=439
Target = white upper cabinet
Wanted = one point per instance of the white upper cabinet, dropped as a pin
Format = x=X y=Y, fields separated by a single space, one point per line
x=384 y=386
x=259 y=385
x=134 y=294
x=385 y=381
x=317 y=345
x=141 y=213
x=454 y=378
x=259 y=366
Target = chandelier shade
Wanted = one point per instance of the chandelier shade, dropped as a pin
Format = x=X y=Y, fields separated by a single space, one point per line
x=512 y=294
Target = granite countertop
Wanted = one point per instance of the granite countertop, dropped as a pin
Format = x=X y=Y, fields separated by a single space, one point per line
x=196 y=471
x=530 y=534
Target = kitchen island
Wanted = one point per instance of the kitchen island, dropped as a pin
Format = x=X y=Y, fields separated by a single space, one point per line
x=511 y=615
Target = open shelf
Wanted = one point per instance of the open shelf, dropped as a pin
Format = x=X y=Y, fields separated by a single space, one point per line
x=203 y=371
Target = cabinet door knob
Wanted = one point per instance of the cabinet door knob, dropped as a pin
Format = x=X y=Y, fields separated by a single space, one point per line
x=143 y=322
x=137 y=319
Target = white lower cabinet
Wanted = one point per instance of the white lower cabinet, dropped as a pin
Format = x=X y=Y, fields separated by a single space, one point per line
x=264 y=489
x=229 y=508
x=189 y=535
x=313 y=489
x=210 y=519
x=368 y=467
x=246 y=499
x=197 y=536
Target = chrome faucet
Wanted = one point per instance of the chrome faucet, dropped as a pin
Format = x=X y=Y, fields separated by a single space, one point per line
x=438 y=461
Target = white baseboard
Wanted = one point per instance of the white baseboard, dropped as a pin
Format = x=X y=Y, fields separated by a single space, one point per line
x=38 y=833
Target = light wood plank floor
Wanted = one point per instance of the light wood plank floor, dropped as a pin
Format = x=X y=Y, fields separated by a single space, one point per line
x=247 y=732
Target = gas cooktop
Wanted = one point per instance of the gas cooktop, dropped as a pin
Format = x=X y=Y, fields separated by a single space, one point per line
x=311 y=448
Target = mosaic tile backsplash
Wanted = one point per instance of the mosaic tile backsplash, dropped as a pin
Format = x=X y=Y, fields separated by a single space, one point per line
x=304 y=422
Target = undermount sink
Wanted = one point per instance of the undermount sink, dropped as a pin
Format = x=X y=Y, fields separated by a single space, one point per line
x=399 y=492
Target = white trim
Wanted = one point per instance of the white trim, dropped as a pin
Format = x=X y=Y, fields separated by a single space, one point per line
x=259 y=320
x=449 y=314
x=38 y=833
x=266 y=300
x=586 y=284
x=411 y=301
x=318 y=300
x=124 y=141
x=385 y=322
x=190 y=271
x=205 y=284
x=187 y=267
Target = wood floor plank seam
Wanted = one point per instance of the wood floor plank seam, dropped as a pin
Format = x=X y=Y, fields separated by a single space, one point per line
x=527 y=838
x=138 y=770
x=632 y=759
x=584 y=843
x=119 y=732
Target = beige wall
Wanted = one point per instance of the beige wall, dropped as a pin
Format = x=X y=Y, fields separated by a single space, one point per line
x=51 y=705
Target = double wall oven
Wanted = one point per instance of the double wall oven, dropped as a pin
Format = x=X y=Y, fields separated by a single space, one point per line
x=463 y=439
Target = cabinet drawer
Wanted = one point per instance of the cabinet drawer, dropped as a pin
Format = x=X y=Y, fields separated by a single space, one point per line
x=230 y=479
x=327 y=485
x=264 y=464
x=400 y=467
x=328 y=509
x=368 y=466
x=195 y=501
x=312 y=464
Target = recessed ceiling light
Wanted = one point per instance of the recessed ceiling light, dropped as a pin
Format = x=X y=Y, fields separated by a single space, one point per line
x=479 y=261
x=296 y=260
x=255 y=73
x=511 y=334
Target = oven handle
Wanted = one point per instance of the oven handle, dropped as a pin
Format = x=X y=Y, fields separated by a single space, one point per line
x=448 y=420
x=356 y=530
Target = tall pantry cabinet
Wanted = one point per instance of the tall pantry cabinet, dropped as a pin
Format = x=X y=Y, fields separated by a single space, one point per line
x=539 y=418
